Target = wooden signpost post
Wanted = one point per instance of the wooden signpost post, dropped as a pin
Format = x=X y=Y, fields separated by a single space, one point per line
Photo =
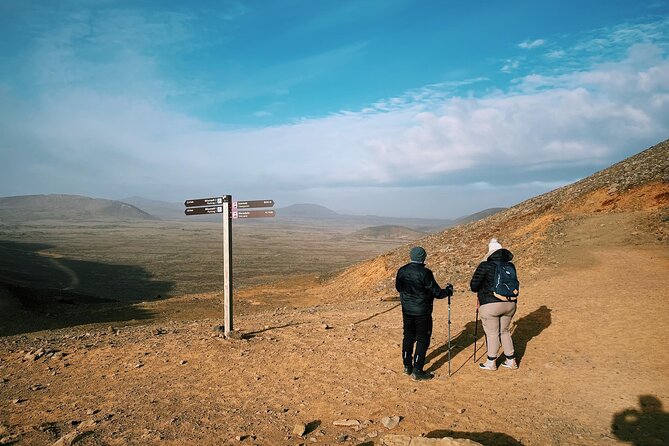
x=224 y=205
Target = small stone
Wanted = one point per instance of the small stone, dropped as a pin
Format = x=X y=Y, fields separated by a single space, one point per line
x=36 y=387
x=325 y=326
x=391 y=422
x=18 y=400
x=139 y=365
x=236 y=335
x=183 y=361
x=342 y=438
x=461 y=410
x=346 y=423
x=10 y=439
x=313 y=440
x=299 y=429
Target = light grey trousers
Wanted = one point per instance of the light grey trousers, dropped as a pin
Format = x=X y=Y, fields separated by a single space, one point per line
x=496 y=318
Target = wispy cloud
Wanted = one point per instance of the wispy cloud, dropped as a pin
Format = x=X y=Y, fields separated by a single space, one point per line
x=531 y=44
x=539 y=131
x=510 y=65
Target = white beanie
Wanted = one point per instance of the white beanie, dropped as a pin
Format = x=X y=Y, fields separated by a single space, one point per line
x=493 y=246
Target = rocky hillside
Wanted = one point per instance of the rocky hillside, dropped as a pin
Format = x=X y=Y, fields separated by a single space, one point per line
x=529 y=229
x=66 y=207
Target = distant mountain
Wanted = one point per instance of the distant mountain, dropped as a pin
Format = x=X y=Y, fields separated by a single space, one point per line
x=67 y=207
x=164 y=210
x=307 y=210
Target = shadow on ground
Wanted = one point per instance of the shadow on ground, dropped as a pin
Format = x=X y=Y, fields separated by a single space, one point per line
x=646 y=426
x=459 y=343
x=39 y=291
x=485 y=438
x=528 y=327
x=524 y=330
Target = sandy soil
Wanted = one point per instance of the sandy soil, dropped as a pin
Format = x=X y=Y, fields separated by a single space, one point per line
x=588 y=334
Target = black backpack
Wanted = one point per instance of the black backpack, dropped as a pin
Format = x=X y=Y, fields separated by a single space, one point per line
x=506 y=285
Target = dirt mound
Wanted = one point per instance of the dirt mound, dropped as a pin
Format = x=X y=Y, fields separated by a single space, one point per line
x=637 y=184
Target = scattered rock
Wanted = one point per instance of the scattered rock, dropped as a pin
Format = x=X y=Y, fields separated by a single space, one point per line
x=405 y=440
x=36 y=387
x=18 y=400
x=139 y=365
x=325 y=326
x=80 y=432
x=183 y=361
x=236 y=335
x=299 y=429
x=391 y=422
x=9 y=439
x=346 y=423
x=158 y=331
x=342 y=438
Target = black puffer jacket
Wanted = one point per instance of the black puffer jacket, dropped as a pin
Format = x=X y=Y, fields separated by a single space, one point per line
x=418 y=289
x=484 y=276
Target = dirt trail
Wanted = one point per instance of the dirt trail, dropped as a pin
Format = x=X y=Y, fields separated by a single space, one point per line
x=587 y=333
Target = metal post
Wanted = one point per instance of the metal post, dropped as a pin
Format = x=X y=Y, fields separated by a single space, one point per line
x=449 y=335
x=227 y=264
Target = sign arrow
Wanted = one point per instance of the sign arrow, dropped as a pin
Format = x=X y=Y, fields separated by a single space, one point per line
x=204 y=202
x=252 y=204
x=205 y=210
x=253 y=214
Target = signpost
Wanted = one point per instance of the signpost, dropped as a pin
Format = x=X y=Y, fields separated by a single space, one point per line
x=252 y=204
x=205 y=210
x=224 y=205
x=252 y=214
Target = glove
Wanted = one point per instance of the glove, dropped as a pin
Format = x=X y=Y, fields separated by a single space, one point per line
x=449 y=290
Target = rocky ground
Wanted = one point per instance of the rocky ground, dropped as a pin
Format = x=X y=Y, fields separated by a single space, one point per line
x=587 y=333
x=320 y=363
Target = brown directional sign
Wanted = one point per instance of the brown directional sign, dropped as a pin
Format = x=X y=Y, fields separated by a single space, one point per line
x=204 y=202
x=253 y=214
x=253 y=204
x=205 y=210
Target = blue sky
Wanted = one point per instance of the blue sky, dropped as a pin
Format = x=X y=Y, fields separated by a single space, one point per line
x=393 y=107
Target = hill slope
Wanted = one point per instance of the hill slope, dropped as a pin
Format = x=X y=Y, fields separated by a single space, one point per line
x=530 y=229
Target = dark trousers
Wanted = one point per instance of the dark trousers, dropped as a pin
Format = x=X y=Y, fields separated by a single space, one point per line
x=418 y=330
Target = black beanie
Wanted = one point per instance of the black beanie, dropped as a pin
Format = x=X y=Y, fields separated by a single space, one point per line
x=417 y=254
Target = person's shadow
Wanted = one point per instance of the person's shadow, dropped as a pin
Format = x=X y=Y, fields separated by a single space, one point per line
x=645 y=427
x=459 y=343
x=523 y=330
x=528 y=327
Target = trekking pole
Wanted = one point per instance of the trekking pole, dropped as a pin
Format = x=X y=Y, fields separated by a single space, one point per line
x=476 y=328
x=449 y=336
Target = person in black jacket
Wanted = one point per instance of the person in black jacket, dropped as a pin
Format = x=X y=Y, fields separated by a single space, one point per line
x=496 y=314
x=417 y=289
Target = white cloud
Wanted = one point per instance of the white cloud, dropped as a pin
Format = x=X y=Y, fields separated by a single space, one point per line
x=531 y=44
x=510 y=65
x=93 y=140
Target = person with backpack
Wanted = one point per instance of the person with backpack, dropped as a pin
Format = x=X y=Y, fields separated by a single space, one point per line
x=496 y=283
x=418 y=289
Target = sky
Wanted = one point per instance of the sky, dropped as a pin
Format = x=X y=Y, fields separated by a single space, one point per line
x=392 y=107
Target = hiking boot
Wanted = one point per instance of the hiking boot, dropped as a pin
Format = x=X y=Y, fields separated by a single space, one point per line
x=510 y=364
x=488 y=365
x=408 y=370
x=419 y=375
